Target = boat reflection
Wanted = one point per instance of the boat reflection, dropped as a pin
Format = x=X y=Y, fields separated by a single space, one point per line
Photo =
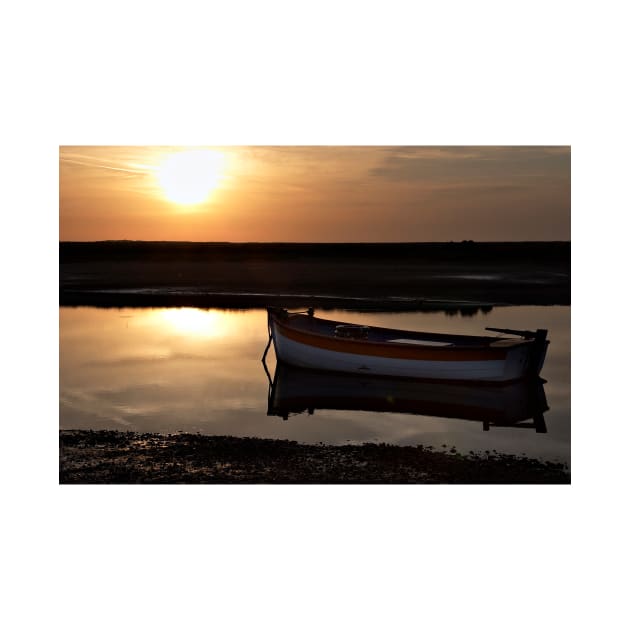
x=296 y=390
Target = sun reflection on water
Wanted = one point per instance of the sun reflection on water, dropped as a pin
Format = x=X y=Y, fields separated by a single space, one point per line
x=195 y=322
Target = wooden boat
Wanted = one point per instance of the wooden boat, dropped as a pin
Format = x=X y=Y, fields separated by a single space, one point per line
x=303 y=340
x=297 y=390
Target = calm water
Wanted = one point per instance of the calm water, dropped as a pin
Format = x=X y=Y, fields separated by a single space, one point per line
x=194 y=370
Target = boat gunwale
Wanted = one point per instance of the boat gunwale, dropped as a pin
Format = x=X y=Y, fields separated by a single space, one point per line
x=481 y=346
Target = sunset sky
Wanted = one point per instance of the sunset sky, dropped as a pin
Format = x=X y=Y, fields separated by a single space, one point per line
x=309 y=194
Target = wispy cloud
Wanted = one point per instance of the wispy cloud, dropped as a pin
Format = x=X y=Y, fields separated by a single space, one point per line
x=463 y=163
x=96 y=165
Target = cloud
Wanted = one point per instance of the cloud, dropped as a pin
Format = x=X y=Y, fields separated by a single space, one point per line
x=435 y=164
x=95 y=166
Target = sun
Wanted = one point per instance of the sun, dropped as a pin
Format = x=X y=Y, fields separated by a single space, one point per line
x=188 y=177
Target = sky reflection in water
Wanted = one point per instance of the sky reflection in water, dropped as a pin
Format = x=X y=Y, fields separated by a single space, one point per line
x=186 y=369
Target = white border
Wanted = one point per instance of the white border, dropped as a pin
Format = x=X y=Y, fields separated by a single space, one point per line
x=297 y=73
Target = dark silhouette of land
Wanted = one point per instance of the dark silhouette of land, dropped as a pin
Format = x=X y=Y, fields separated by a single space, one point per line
x=390 y=275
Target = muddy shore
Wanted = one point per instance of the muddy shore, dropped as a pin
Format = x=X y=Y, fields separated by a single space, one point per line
x=399 y=276
x=116 y=457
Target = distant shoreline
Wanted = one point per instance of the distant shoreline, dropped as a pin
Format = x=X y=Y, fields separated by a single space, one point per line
x=116 y=457
x=398 y=276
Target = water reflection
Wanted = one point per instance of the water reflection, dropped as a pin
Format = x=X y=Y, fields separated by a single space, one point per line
x=295 y=391
x=188 y=369
x=194 y=322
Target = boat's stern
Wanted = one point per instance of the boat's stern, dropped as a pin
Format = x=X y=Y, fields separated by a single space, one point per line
x=538 y=352
x=526 y=359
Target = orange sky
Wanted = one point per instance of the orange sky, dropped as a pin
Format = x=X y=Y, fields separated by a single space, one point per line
x=311 y=194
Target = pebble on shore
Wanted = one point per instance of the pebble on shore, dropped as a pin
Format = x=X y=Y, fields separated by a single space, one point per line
x=99 y=457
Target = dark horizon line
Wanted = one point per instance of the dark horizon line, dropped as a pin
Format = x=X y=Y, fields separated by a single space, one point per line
x=465 y=241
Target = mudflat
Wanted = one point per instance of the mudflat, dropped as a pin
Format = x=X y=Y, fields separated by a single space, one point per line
x=99 y=457
x=138 y=273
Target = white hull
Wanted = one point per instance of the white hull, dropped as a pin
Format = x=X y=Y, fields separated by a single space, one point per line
x=510 y=368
